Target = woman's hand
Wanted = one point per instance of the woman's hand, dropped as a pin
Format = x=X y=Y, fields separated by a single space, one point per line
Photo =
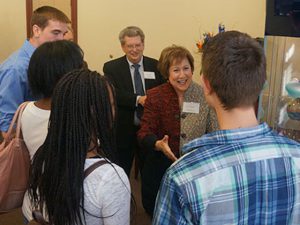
x=163 y=146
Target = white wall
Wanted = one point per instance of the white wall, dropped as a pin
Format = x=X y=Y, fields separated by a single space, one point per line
x=164 y=22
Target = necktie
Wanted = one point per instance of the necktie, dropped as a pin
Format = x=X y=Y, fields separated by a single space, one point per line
x=139 y=90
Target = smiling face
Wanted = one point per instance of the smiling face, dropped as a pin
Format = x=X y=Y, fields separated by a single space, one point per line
x=54 y=31
x=133 y=47
x=180 y=75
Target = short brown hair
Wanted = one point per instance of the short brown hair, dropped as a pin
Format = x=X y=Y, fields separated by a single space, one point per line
x=235 y=66
x=42 y=15
x=171 y=54
x=131 y=31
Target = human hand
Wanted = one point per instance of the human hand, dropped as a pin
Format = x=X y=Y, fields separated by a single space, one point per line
x=142 y=100
x=163 y=146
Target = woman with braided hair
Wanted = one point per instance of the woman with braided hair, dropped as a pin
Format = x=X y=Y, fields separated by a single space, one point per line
x=81 y=132
x=48 y=64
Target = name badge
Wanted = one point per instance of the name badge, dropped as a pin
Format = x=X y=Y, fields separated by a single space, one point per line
x=191 y=107
x=149 y=75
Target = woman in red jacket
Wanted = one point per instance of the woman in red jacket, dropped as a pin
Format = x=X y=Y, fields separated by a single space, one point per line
x=174 y=113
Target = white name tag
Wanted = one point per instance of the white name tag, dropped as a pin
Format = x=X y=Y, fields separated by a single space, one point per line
x=149 y=75
x=191 y=107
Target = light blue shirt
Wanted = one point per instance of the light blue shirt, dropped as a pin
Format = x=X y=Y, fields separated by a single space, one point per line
x=14 y=87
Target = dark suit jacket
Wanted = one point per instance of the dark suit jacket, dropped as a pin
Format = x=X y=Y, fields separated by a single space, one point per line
x=118 y=72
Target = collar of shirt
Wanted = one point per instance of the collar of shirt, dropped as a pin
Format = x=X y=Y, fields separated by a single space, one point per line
x=221 y=137
x=28 y=48
x=131 y=64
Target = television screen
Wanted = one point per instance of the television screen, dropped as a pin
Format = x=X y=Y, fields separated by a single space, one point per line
x=283 y=18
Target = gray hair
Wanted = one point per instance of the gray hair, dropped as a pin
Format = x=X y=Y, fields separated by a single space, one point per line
x=131 y=31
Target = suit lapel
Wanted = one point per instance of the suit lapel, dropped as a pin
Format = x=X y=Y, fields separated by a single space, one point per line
x=125 y=71
x=146 y=68
x=127 y=75
x=149 y=83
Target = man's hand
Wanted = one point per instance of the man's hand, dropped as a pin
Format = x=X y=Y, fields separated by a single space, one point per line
x=142 y=100
x=163 y=146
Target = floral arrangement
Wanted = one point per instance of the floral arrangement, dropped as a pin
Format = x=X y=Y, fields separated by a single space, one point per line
x=207 y=36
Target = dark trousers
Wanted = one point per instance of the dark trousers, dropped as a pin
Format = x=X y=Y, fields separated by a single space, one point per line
x=156 y=164
x=126 y=155
x=128 y=148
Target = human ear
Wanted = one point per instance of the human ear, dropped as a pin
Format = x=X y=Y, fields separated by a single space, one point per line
x=123 y=48
x=36 y=30
x=205 y=85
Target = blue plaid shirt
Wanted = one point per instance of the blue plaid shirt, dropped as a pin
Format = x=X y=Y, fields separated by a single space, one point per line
x=242 y=176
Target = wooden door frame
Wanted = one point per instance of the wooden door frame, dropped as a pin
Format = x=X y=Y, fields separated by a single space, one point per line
x=29 y=10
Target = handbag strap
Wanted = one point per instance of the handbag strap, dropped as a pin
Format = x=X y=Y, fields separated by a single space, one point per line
x=37 y=215
x=94 y=166
x=16 y=121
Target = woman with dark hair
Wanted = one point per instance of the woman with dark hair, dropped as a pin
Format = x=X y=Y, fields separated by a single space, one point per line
x=174 y=114
x=81 y=132
x=49 y=62
x=47 y=65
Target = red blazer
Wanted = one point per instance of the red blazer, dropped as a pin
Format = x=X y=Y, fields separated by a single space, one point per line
x=161 y=117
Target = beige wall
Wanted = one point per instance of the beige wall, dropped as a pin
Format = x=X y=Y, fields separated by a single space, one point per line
x=12 y=26
x=64 y=5
x=164 y=22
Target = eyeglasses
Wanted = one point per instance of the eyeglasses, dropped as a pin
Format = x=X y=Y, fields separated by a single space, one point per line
x=137 y=46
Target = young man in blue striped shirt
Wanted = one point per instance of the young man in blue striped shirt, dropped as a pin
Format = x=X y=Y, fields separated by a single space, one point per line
x=244 y=173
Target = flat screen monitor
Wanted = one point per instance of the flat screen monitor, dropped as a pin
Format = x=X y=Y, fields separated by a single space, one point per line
x=283 y=18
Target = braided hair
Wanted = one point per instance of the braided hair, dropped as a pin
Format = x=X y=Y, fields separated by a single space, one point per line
x=82 y=113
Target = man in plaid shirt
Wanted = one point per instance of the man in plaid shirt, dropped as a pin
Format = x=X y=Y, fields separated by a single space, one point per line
x=244 y=173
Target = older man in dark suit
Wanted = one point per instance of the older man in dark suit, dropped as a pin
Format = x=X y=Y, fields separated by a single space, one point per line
x=132 y=75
